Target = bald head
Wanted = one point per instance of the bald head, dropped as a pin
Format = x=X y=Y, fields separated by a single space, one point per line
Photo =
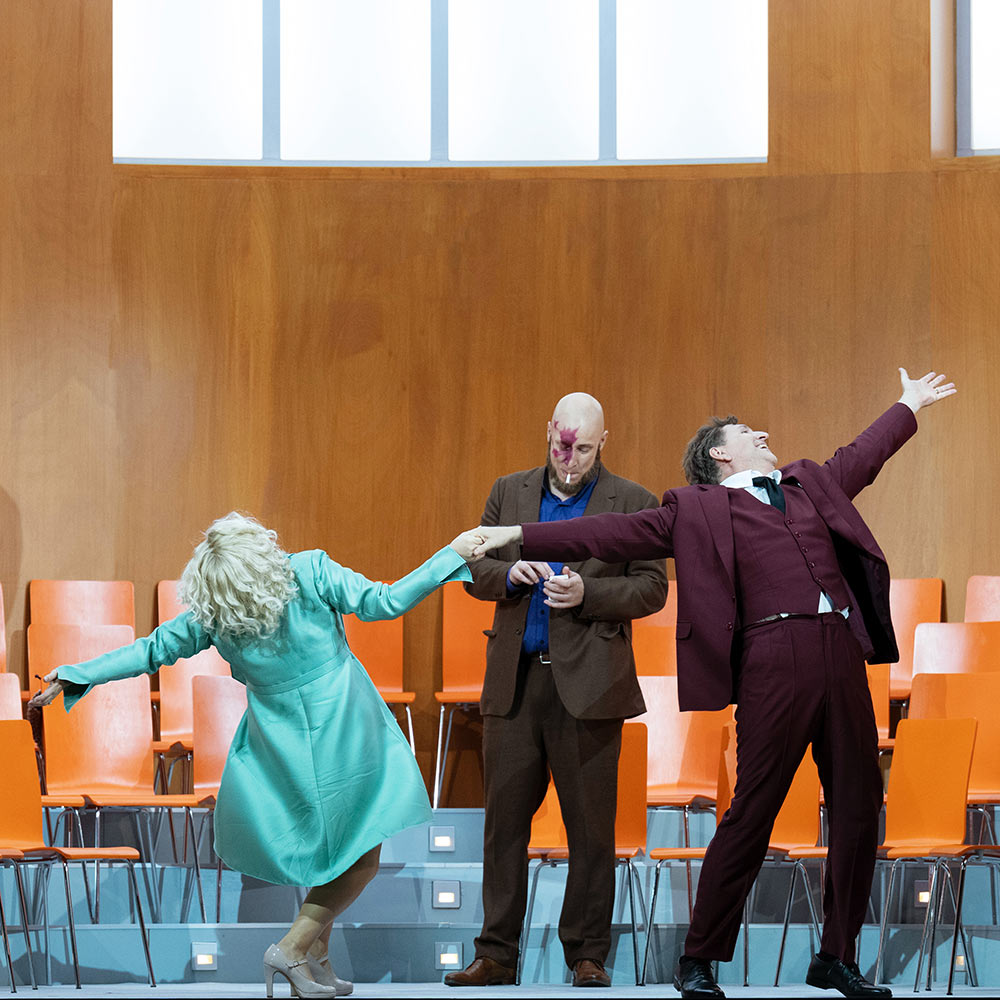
x=580 y=410
x=576 y=436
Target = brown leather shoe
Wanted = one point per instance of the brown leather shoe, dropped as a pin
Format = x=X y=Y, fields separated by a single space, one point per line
x=482 y=972
x=587 y=972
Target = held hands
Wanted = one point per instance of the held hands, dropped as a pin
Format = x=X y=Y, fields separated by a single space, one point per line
x=921 y=392
x=565 y=591
x=497 y=538
x=49 y=694
x=466 y=543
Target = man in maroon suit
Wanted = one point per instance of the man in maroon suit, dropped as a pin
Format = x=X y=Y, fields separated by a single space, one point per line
x=782 y=595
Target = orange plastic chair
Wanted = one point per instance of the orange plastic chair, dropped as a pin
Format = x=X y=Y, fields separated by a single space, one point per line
x=911 y=601
x=925 y=806
x=794 y=838
x=683 y=750
x=102 y=751
x=725 y=764
x=655 y=648
x=549 y=843
x=378 y=646
x=957 y=648
x=967 y=696
x=219 y=705
x=10 y=696
x=465 y=621
x=51 y=646
x=982 y=599
x=81 y=602
x=21 y=829
x=667 y=615
x=879 y=675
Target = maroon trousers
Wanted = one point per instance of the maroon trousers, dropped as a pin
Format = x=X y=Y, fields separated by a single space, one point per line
x=802 y=681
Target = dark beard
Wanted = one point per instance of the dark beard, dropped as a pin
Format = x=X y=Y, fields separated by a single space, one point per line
x=571 y=489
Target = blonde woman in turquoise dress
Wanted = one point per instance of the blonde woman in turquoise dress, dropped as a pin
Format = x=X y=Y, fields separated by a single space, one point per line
x=319 y=772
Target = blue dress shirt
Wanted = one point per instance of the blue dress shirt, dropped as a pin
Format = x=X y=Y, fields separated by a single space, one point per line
x=536 y=626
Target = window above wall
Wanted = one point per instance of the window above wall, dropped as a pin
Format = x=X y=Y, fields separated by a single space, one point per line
x=977 y=113
x=440 y=82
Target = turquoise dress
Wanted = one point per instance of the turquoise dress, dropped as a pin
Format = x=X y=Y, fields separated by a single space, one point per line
x=319 y=771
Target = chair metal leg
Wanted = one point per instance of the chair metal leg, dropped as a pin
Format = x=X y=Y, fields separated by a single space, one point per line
x=197 y=866
x=447 y=744
x=784 y=928
x=6 y=947
x=926 y=935
x=25 y=923
x=650 y=921
x=72 y=923
x=746 y=942
x=437 y=758
x=409 y=728
x=883 y=926
x=526 y=928
x=631 y=910
x=142 y=923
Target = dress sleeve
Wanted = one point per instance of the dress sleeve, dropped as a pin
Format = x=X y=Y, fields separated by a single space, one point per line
x=351 y=593
x=173 y=640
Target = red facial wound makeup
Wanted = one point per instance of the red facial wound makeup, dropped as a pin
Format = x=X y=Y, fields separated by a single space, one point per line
x=563 y=450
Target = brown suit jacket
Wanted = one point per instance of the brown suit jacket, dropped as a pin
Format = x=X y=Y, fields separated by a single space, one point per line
x=591 y=645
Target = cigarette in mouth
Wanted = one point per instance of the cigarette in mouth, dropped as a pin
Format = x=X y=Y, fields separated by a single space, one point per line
x=569 y=478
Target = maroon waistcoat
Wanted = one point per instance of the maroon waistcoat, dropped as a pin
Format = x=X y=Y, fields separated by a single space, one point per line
x=783 y=561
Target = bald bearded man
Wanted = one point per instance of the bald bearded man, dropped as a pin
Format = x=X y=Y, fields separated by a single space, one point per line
x=560 y=680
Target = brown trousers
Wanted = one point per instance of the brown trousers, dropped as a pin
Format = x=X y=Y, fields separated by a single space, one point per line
x=519 y=750
x=802 y=680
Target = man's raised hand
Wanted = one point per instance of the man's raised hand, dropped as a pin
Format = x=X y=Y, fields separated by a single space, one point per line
x=921 y=392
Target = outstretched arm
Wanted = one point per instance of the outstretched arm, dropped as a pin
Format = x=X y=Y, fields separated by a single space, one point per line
x=645 y=534
x=180 y=637
x=856 y=465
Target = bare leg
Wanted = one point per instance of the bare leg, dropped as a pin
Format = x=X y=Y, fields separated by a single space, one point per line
x=310 y=930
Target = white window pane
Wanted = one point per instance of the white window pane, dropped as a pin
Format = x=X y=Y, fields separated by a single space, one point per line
x=523 y=80
x=692 y=79
x=187 y=79
x=355 y=80
x=984 y=21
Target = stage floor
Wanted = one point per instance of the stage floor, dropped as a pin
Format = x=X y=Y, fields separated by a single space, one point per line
x=402 y=991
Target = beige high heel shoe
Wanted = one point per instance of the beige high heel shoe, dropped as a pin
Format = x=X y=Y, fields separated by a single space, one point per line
x=322 y=972
x=275 y=960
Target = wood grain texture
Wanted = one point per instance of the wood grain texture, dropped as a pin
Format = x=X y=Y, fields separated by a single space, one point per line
x=355 y=355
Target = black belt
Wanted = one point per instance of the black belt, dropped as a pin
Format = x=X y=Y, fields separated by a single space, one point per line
x=542 y=656
x=819 y=616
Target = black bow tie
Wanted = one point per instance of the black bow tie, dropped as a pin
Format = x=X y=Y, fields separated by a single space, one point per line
x=773 y=490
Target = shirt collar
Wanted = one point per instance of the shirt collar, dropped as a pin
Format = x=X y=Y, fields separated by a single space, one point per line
x=744 y=480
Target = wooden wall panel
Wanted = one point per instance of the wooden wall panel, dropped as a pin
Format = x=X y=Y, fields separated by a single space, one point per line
x=849 y=86
x=355 y=355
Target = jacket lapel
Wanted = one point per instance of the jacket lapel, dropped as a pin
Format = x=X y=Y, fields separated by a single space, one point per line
x=529 y=497
x=715 y=509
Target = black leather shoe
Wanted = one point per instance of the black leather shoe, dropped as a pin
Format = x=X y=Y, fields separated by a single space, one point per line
x=695 y=980
x=482 y=972
x=589 y=972
x=843 y=976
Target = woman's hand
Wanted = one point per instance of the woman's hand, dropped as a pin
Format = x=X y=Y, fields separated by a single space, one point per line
x=49 y=694
x=465 y=544
x=497 y=538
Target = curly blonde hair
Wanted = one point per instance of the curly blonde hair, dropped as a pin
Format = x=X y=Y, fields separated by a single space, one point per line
x=239 y=580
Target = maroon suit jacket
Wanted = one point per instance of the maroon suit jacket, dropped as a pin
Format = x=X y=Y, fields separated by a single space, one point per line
x=694 y=526
x=591 y=645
